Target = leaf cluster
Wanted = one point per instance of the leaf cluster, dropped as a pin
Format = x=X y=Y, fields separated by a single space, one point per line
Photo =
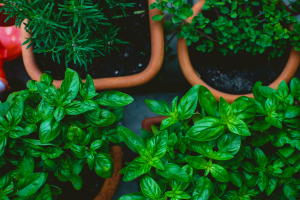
x=209 y=150
x=255 y=26
x=47 y=130
x=78 y=30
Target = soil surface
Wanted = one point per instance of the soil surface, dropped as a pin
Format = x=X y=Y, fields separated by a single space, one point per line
x=131 y=59
x=236 y=74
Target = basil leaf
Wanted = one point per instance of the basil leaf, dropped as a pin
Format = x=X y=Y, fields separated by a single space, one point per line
x=157 y=145
x=136 y=168
x=260 y=157
x=239 y=127
x=150 y=188
x=77 y=107
x=174 y=171
x=59 y=113
x=113 y=98
x=207 y=101
x=295 y=87
x=225 y=110
x=244 y=110
x=262 y=181
x=45 y=193
x=168 y=122
x=76 y=181
x=70 y=85
x=290 y=191
x=25 y=165
x=203 y=189
x=271 y=186
x=49 y=93
x=159 y=107
x=229 y=143
x=219 y=173
x=49 y=129
x=134 y=196
x=30 y=184
x=206 y=129
x=90 y=161
x=235 y=177
x=188 y=103
x=104 y=165
x=131 y=139
x=197 y=162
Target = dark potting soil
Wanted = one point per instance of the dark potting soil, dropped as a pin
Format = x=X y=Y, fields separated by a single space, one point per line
x=131 y=59
x=236 y=74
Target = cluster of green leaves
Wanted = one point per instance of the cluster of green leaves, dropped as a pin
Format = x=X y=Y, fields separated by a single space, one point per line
x=46 y=130
x=235 y=25
x=78 y=30
x=247 y=150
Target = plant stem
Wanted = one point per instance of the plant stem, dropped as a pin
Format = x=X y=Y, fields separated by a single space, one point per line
x=171 y=39
x=217 y=11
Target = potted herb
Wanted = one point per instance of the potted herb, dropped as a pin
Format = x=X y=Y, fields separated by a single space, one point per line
x=53 y=141
x=233 y=44
x=112 y=41
x=246 y=150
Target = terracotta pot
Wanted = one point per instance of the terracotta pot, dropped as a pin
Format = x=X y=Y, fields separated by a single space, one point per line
x=157 y=56
x=148 y=122
x=194 y=79
x=110 y=184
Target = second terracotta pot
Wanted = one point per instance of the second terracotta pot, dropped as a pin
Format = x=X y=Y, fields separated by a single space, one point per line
x=157 y=56
x=193 y=78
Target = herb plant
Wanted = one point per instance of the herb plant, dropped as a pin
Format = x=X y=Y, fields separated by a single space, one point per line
x=254 y=26
x=46 y=130
x=246 y=150
x=77 y=30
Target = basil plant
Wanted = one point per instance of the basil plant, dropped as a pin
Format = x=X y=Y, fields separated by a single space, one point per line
x=209 y=150
x=46 y=130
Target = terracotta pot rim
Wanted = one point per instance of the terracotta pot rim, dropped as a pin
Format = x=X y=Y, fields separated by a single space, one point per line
x=147 y=122
x=156 y=60
x=110 y=184
x=193 y=78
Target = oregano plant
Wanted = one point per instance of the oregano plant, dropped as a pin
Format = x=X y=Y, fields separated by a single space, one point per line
x=77 y=30
x=205 y=149
x=46 y=130
x=233 y=26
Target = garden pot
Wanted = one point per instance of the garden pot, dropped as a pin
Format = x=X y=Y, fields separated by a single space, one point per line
x=110 y=184
x=156 y=60
x=148 y=122
x=193 y=78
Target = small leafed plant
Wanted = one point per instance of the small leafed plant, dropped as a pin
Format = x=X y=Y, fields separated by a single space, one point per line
x=255 y=26
x=46 y=130
x=79 y=30
x=246 y=150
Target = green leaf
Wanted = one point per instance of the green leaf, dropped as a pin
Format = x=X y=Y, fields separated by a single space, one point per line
x=226 y=111
x=59 y=113
x=206 y=129
x=29 y=184
x=150 y=188
x=159 y=107
x=237 y=126
x=136 y=168
x=168 y=122
x=45 y=193
x=157 y=17
x=244 y=110
x=290 y=191
x=262 y=181
x=203 y=189
x=157 y=145
x=188 y=103
x=229 y=143
x=70 y=85
x=113 y=98
x=91 y=161
x=104 y=165
x=49 y=129
x=207 y=101
x=174 y=171
x=271 y=186
x=49 y=93
x=3 y=142
x=131 y=139
x=225 y=10
x=219 y=173
x=295 y=87
x=134 y=196
x=96 y=144
x=197 y=162
x=261 y=139
x=77 y=107
x=25 y=165
x=292 y=111
x=260 y=157
x=46 y=78
x=235 y=177
x=76 y=181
